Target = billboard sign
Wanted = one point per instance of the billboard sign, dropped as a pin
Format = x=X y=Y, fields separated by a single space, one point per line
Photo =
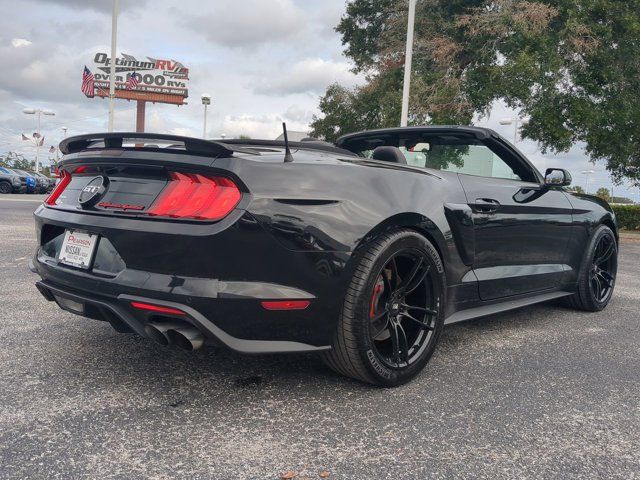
x=158 y=80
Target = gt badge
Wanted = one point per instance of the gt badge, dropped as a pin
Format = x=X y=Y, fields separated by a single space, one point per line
x=93 y=191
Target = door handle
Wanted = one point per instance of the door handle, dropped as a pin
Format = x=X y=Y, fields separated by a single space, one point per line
x=486 y=205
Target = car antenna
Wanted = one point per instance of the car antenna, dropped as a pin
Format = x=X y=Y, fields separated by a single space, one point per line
x=287 y=153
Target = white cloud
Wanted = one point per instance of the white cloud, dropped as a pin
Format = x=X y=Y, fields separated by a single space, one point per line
x=311 y=75
x=97 y=5
x=183 y=132
x=249 y=23
x=265 y=126
x=20 y=42
x=296 y=113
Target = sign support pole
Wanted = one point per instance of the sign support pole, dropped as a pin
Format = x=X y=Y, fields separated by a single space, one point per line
x=140 y=113
x=38 y=144
x=112 y=65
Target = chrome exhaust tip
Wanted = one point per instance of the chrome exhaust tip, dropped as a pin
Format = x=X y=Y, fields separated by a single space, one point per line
x=187 y=338
x=158 y=332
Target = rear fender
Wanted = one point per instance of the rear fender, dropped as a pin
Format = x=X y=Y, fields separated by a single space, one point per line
x=408 y=220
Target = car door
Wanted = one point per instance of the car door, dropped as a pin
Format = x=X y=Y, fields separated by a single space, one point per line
x=519 y=228
x=522 y=228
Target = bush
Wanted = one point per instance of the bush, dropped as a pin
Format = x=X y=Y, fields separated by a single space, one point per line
x=628 y=216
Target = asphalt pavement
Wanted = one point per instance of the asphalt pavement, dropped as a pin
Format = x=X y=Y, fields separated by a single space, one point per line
x=541 y=392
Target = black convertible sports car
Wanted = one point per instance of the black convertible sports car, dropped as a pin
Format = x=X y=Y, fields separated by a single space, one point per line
x=361 y=251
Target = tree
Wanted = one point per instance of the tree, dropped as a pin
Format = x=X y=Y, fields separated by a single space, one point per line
x=577 y=189
x=16 y=160
x=569 y=67
x=604 y=194
x=623 y=200
x=375 y=105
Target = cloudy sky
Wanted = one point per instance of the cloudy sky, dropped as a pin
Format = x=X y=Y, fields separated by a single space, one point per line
x=263 y=61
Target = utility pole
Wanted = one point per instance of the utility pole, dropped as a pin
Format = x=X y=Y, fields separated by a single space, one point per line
x=38 y=112
x=38 y=144
x=587 y=174
x=206 y=101
x=112 y=65
x=408 y=56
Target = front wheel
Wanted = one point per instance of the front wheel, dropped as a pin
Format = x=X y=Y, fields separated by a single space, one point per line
x=597 y=276
x=5 y=187
x=393 y=311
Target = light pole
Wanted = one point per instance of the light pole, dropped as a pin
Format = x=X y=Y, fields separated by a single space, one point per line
x=408 y=55
x=112 y=64
x=206 y=101
x=512 y=121
x=37 y=111
x=64 y=135
x=587 y=174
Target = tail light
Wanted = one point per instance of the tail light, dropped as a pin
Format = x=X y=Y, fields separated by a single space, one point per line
x=195 y=196
x=65 y=179
x=150 y=307
x=285 y=304
x=186 y=195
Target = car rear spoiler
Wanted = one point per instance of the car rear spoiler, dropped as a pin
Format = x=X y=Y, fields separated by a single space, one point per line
x=149 y=141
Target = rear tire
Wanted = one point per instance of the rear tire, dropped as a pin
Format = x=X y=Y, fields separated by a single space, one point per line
x=393 y=312
x=5 y=187
x=597 y=276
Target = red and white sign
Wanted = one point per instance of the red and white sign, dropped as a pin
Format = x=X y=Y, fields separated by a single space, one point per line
x=153 y=75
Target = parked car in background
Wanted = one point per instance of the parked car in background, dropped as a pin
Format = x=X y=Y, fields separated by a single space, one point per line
x=47 y=183
x=12 y=182
x=33 y=183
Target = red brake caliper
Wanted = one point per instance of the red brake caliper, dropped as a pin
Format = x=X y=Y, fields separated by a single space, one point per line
x=377 y=292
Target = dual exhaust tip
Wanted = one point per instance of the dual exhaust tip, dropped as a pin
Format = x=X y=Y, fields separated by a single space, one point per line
x=181 y=334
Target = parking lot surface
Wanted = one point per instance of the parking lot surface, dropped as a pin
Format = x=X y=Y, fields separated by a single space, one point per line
x=542 y=392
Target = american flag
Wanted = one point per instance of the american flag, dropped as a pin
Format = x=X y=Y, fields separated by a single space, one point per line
x=87 y=83
x=132 y=82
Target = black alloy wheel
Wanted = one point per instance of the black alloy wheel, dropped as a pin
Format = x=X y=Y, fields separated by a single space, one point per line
x=597 y=276
x=5 y=187
x=393 y=311
x=404 y=308
x=603 y=269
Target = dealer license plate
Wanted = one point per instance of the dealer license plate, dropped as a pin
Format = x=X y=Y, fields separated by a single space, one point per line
x=77 y=249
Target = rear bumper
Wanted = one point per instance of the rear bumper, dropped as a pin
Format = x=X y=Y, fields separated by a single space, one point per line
x=218 y=275
x=118 y=312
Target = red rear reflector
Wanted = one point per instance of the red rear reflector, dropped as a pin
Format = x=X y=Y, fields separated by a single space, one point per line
x=286 y=304
x=196 y=196
x=157 y=308
x=80 y=169
x=65 y=179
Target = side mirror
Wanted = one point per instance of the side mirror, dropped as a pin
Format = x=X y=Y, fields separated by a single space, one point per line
x=557 y=177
